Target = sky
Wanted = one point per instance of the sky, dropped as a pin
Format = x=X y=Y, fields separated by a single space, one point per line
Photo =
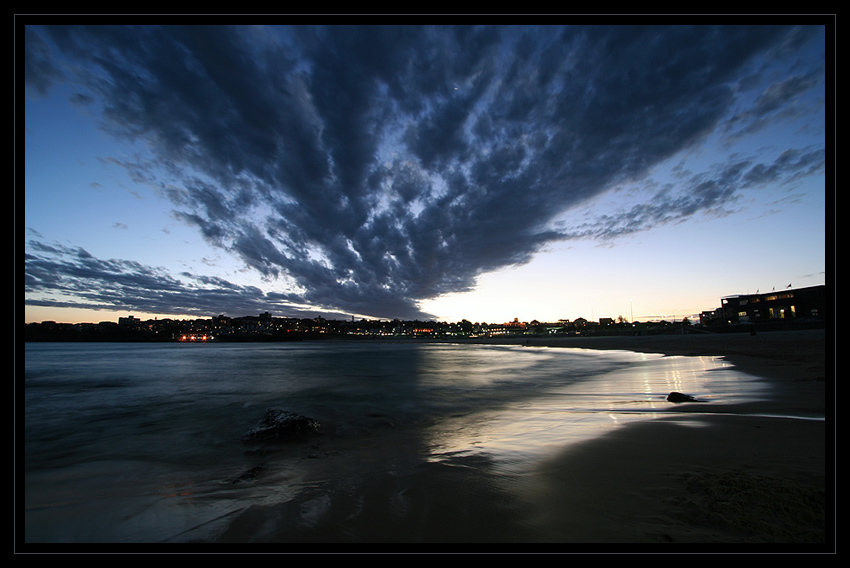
x=440 y=172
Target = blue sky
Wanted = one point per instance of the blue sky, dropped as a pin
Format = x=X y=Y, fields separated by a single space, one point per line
x=421 y=172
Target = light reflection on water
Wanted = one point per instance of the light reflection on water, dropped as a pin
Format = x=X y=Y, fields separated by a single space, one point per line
x=560 y=415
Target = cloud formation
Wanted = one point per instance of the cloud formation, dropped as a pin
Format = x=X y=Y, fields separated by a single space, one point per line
x=62 y=276
x=378 y=166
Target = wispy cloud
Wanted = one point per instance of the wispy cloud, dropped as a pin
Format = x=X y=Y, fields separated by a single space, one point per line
x=379 y=166
x=61 y=276
x=714 y=192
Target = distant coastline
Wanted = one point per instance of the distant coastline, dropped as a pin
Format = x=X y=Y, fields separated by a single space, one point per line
x=801 y=308
x=202 y=331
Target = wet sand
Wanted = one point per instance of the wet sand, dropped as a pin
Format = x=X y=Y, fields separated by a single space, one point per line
x=759 y=473
x=710 y=478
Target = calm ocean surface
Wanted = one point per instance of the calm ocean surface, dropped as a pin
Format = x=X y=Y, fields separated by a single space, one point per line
x=139 y=443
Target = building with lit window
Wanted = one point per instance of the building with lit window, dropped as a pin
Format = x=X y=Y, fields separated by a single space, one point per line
x=786 y=304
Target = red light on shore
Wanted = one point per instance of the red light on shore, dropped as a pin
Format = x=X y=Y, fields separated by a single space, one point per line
x=195 y=337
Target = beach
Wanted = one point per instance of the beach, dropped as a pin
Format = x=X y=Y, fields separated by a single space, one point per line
x=707 y=478
x=754 y=473
x=427 y=447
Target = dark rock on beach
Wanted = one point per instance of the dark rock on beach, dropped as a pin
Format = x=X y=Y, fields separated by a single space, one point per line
x=679 y=397
x=278 y=424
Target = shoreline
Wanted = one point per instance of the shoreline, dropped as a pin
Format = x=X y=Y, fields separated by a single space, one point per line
x=702 y=478
x=792 y=362
x=751 y=473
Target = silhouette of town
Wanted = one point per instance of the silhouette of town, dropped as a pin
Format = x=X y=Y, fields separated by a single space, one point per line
x=803 y=307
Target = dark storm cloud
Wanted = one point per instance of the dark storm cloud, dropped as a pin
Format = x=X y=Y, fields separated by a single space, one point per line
x=377 y=166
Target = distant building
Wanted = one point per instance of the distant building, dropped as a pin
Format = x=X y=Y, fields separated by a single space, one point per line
x=709 y=317
x=753 y=308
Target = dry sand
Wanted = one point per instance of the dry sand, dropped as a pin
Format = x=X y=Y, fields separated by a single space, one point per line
x=752 y=473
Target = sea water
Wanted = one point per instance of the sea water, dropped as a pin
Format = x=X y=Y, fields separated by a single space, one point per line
x=142 y=442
